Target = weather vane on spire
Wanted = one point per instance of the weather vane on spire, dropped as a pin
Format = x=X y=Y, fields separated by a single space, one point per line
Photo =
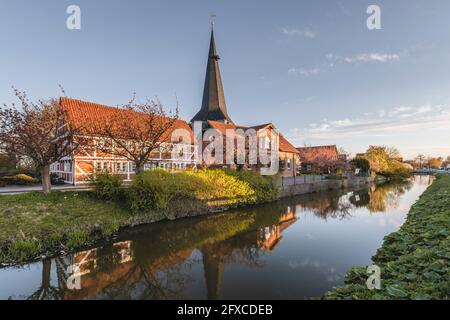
x=213 y=19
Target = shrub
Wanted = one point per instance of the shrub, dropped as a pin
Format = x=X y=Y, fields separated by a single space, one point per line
x=264 y=186
x=219 y=184
x=56 y=180
x=361 y=163
x=156 y=189
x=20 y=179
x=151 y=190
x=396 y=170
x=12 y=172
x=107 y=186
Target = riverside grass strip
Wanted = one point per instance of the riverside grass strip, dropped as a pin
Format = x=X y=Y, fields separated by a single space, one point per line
x=414 y=261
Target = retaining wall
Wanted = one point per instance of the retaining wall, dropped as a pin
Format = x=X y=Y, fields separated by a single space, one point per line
x=324 y=185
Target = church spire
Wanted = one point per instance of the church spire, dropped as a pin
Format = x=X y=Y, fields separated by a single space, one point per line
x=213 y=105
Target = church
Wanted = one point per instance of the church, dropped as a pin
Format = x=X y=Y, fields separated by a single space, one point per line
x=214 y=113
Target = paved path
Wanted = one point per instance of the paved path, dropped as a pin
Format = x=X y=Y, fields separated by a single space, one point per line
x=18 y=190
x=430 y=171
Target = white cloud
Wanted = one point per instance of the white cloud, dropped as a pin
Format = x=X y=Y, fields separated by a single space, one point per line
x=399 y=110
x=388 y=123
x=365 y=57
x=373 y=57
x=292 y=31
x=332 y=60
x=304 y=72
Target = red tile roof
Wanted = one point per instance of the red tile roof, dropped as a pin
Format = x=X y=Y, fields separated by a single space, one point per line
x=262 y=126
x=319 y=153
x=222 y=127
x=285 y=145
x=93 y=117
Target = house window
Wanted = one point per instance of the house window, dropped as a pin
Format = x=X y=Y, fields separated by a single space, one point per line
x=66 y=166
x=121 y=167
x=289 y=164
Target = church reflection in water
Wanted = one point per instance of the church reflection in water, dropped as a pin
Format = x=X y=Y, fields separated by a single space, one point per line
x=159 y=261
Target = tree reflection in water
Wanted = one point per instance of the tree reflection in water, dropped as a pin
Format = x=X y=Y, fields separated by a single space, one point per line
x=330 y=205
x=386 y=197
x=157 y=261
x=46 y=291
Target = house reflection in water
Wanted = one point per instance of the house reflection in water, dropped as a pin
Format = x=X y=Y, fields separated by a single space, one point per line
x=269 y=237
x=134 y=268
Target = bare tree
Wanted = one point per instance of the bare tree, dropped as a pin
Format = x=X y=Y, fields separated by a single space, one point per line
x=139 y=130
x=446 y=163
x=39 y=131
x=421 y=160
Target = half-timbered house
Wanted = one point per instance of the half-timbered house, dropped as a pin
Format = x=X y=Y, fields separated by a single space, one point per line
x=92 y=155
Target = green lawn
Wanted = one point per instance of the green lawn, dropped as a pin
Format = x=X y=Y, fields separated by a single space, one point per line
x=415 y=261
x=33 y=224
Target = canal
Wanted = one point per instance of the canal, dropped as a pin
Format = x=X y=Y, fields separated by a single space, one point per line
x=292 y=249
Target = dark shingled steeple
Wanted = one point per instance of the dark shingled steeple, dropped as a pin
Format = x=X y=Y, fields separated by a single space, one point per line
x=213 y=105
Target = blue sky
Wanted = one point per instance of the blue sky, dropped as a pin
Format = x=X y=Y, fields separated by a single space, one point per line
x=311 y=67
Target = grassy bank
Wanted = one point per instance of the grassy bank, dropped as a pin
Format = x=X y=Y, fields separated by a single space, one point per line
x=34 y=224
x=415 y=261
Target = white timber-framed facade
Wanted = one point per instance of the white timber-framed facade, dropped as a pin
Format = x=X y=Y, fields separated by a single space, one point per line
x=91 y=156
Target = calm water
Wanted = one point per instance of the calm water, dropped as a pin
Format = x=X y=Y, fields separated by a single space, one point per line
x=293 y=249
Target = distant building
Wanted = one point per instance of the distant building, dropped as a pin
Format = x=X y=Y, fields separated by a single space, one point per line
x=319 y=158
